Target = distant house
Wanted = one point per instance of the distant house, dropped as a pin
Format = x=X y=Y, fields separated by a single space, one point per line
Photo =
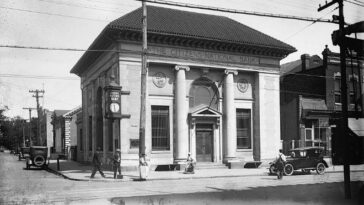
x=311 y=99
x=46 y=129
x=59 y=138
x=71 y=132
x=65 y=132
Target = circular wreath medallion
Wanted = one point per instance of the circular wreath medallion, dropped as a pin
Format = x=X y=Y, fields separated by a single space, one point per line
x=243 y=85
x=159 y=79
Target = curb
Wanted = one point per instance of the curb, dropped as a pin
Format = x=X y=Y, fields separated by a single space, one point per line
x=63 y=175
x=177 y=178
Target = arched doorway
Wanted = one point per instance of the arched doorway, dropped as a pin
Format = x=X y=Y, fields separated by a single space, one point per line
x=204 y=106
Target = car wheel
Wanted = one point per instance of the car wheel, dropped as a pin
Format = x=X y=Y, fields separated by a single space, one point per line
x=288 y=169
x=320 y=168
x=306 y=171
x=272 y=169
x=39 y=160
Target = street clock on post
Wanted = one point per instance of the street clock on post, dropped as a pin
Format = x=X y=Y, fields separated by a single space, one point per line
x=113 y=101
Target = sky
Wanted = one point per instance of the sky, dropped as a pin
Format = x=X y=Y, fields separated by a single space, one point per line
x=76 y=24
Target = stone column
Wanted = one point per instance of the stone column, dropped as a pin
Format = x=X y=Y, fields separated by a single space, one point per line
x=181 y=114
x=229 y=116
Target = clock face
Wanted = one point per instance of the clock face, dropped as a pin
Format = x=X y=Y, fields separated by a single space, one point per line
x=114 y=107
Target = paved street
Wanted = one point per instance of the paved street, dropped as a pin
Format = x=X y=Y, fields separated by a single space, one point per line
x=19 y=186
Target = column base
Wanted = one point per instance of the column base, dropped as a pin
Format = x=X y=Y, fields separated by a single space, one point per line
x=233 y=163
x=181 y=164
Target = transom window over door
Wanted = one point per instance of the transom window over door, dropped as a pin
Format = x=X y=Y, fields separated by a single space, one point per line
x=160 y=128
x=204 y=92
x=243 y=126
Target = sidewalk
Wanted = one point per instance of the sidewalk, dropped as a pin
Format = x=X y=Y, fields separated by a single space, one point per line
x=80 y=172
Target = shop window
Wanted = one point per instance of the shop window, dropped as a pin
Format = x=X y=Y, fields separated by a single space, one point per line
x=160 y=128
x=243 y=126
x=337 y=89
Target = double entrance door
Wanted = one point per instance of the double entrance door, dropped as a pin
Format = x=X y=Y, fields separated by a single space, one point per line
x=204 y=142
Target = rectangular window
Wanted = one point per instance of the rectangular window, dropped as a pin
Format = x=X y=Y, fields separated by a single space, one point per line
x=243 y=128
x=160 y=128
x=81 y=140
x=337 y=89
x=90 y=133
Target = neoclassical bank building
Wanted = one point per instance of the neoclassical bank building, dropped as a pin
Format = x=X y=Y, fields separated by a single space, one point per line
x=212 y=89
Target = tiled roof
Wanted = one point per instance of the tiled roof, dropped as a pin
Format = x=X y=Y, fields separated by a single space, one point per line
x=196 y=25
x=60 y=112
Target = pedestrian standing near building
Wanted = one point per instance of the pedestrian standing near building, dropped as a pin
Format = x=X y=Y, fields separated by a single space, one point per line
x=97 y=163
x=116 y=164
x=143 y=167
x=190 y=165
x=280 y=162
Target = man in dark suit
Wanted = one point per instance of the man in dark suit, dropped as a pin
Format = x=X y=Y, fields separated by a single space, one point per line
x=97 y=163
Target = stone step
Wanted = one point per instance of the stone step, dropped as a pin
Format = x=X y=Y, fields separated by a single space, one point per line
x=210 y=166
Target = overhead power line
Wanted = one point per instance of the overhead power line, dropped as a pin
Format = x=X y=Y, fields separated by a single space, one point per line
x=52 y=14
x=195 y=6
x=36 y=77
x=355 y=3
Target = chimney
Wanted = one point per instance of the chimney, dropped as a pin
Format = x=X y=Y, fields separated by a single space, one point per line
x=305 y=60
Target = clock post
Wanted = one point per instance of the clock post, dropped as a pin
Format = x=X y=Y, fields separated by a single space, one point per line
x=113 y=107
x=113 y=101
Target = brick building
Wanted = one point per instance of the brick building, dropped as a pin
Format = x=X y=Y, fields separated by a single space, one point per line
x=311 y=99
x=213 y=89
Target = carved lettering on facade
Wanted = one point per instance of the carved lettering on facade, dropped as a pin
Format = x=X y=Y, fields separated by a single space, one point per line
x=203 y=55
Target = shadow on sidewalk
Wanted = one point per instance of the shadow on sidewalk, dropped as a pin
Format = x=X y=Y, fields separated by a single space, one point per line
x=325 y=193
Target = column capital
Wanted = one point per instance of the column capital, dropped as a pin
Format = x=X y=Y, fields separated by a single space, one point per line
x=234 y=72
x=180 y=67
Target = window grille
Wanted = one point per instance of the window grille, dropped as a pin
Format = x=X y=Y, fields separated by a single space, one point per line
x=243 y=125
x=160 y=128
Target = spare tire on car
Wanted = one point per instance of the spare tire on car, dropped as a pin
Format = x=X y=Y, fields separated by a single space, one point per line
x=39 y=160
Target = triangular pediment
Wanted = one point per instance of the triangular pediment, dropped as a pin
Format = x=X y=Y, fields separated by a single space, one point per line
x=204 y=110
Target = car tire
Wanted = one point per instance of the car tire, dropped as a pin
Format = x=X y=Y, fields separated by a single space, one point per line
x=320 y=168
x=39 y=160
x=272 y=169
x=288 y=169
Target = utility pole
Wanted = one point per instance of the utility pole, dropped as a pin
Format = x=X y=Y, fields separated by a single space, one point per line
x=143 y=83
x=37 y=96
x=30 y=123
x=344 y=94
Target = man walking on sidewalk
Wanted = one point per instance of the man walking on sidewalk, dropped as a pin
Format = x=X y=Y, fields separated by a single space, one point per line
x=97 y=163
x=280 y=162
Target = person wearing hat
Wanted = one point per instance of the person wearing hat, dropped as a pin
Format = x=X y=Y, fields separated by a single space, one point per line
x=190 y=165
x=97 y=163
x=116 y=163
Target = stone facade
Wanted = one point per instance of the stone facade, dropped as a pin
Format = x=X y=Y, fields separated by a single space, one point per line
x=221 y=105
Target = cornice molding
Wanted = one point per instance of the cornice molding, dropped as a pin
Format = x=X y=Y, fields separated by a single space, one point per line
x=200 y=43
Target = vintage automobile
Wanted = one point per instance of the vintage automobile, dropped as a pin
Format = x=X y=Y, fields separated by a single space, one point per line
x=37 y=157
x=304 y=158
x=24 y=153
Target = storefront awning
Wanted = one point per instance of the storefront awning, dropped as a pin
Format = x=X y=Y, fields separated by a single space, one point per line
x=313 y=104
x=314 y=108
